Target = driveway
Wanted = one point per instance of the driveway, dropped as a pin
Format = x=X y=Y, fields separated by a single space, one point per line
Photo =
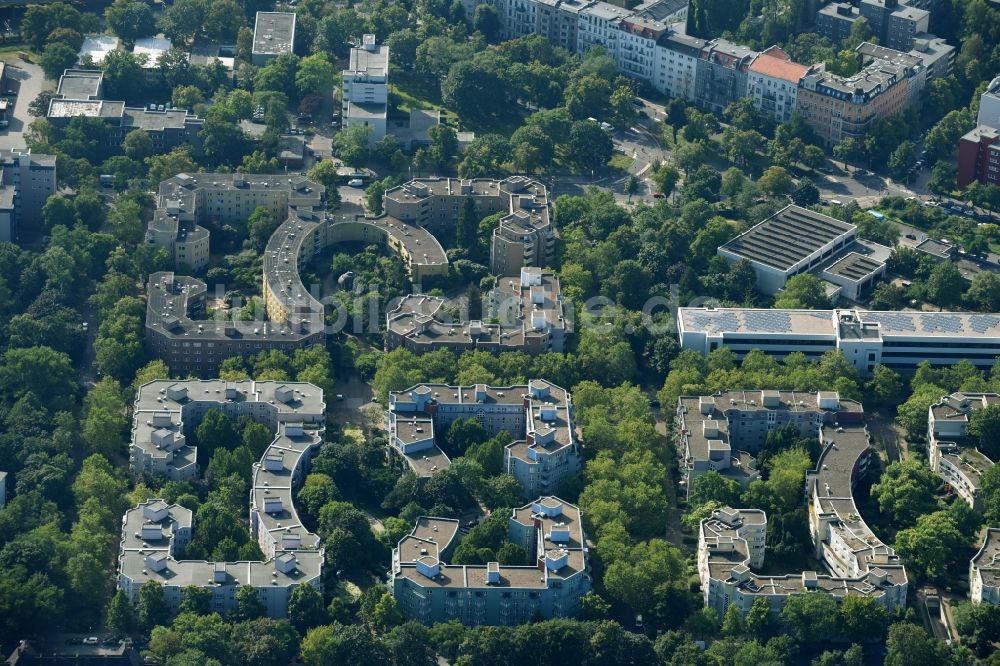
x=27 y=80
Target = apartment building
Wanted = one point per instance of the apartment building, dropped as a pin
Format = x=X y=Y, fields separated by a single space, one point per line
x=166 y=412
x=721 y=432
x=525 y=236
x=835 y=20
x=798 y=240
x=978 y=152
x=637 y=39
x=894 y=24
x=273 y=35
x=676 y=62
x=538 y=415
x=429 y=590
x=81 y=93
x=26 y=181
x=599 y=23
x=154 y=534
x=899 y=340
x=527 y=314
x=951 y=453
x=731 y=544
x=365 y=96
x=721 y=76
x=773 y=81
x=984 y=570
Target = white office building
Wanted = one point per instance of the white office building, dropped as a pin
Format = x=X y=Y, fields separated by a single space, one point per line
x=366 y=87
x=898 y=340
x=951 y=454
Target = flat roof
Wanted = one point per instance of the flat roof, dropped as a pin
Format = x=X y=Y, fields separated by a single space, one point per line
x=70 y=108
x=98 y=46
x=788 y=237
x=273 y=33
x=365 y=110
x=369 y=58
x=82 y=84
x=152 y=48
x=854 y=266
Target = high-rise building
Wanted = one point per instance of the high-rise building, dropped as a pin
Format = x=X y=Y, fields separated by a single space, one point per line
x=365 y=87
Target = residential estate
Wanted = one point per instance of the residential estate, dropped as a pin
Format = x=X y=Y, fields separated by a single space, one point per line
x=731 y=541
x=154 y=534
x=951 y=453
x=526 y=314
x=550 y=530
x=898 y=340
x=538 y=416
x=26 y=181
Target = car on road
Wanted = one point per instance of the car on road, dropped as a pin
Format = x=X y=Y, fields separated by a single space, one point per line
x=356 y=182
x=91 y=640
x=658 y=195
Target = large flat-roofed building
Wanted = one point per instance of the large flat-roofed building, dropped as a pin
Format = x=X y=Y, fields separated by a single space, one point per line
x=984 y=570
x=273 y=35
x=899 y=340
x=538 y=416
x=166 y=412
x=731 y=545
x=550 y=530
x=364 y=96
x=81 y=93
x=528 y=311
x=721 y=432
x=798 y=240
x=950 y=451
x=154 y=534
x=26 y=182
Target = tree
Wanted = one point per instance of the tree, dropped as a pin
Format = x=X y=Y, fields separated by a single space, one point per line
x=910 y=645
x=760 y=622
x=589 y=147
x=588 y=97
x=181 y=20
x=902 y=159
x=806 y=194
x=886 y=385
x=906 y=491
x=732 y=622
x=123 y=75
x=985 y=291
x=248 y=605
x=314 y=75
x=931 y=546
x=214 y=432
x=810 y=617
x=224 y=20
x=306 y=609
x=487 y=21
x=984 y=426
x=979 y=625
x=473 y=91
x=631 y=186
x=803 y=291
x=153 y=609
x=129 y=20
x=196 y=600
x=122 y=617
x=946 y=285
x=775 y=180
x=666 y=178
x=345 y=646
x=386 y=615
x=862 y=618
x=56 y=58
x=713 y=487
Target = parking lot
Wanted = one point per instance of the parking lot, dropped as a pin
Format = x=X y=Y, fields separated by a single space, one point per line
x=26 y=80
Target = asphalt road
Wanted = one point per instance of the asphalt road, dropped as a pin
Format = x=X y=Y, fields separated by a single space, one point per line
x=27 y=80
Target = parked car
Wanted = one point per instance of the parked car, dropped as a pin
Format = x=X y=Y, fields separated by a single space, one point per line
x=91 y=640
x=356 y=182
x=607 y=127
x=657 y=195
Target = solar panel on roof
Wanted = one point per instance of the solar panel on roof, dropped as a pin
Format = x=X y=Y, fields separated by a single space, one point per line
x=941 y=323
x=768 y=321
x=893 y=321
x=980 y=323
x=715 y=322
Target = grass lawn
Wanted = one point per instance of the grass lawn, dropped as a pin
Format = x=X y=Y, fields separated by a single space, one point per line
x=355 y=433
x=620 y=161
x=10 y=50
x=348 y=591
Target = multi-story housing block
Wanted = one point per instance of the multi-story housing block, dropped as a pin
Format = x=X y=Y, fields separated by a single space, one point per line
x=721 y=432
x=894 y=24
x=365 y=89
x=599 y=26
x=984 y=570
x=26 y=181
x=676 y=63
x=551 y=531
x=538 y=416
x=978 y=150
x=835 y=20
x=773 y=81
x=166 y=412
x=950 y=451
x=528 y=313
x=898 y=340
x=731 y=545
x=637 y=39
x=154 y=534
x=721 y=75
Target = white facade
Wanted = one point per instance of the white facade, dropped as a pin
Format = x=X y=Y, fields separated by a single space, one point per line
x=33 y=179
x=984 y=570
x=675 y=64
x=365 y=90
x=956 y=459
